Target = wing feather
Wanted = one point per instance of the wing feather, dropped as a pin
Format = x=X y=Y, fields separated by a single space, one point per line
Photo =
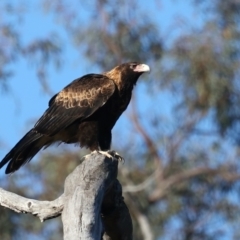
x=78 y=100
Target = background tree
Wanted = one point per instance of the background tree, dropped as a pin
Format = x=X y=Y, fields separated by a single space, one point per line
x=180 y=136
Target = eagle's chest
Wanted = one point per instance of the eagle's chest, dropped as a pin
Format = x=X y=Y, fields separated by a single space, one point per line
x=119 y=104
x=112 y=110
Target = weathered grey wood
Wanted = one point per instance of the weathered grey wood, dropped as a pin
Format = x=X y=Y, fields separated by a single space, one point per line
x=92 y=202
x=116 y=218
x=42 y=209
x=84 y=190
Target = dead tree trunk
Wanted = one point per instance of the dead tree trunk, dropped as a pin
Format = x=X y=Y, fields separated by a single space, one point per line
x=92 y=205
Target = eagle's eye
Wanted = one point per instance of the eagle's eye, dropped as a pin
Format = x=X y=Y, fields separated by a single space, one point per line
x=133 y=65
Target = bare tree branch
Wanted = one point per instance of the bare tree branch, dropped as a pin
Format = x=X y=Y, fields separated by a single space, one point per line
x=167 y=183
x=149 y=142
x=185 y=130
x=144 y=224
x=141 y=186
x=43 y=209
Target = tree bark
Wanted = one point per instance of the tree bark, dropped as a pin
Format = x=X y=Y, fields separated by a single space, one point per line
x=115 y=215
x=84 y=190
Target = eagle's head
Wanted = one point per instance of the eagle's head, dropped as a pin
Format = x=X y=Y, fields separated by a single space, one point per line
x=134 y=68
x=128 y=73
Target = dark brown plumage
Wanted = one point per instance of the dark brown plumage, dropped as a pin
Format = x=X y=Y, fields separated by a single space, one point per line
x=84 y=112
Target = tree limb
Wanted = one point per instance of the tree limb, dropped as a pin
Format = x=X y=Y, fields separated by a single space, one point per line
x=185 y=175
x=43 y=209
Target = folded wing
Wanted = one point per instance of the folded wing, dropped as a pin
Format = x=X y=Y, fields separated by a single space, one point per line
x=78 y=100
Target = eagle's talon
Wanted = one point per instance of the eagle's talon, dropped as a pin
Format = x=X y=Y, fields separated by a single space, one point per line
x=113 y=154
x=106 y=153
x=116 y=155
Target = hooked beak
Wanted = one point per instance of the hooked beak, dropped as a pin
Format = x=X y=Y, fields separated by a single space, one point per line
x=142 y=68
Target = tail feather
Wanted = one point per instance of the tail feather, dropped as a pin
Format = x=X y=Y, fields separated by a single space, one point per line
x=23 y=151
